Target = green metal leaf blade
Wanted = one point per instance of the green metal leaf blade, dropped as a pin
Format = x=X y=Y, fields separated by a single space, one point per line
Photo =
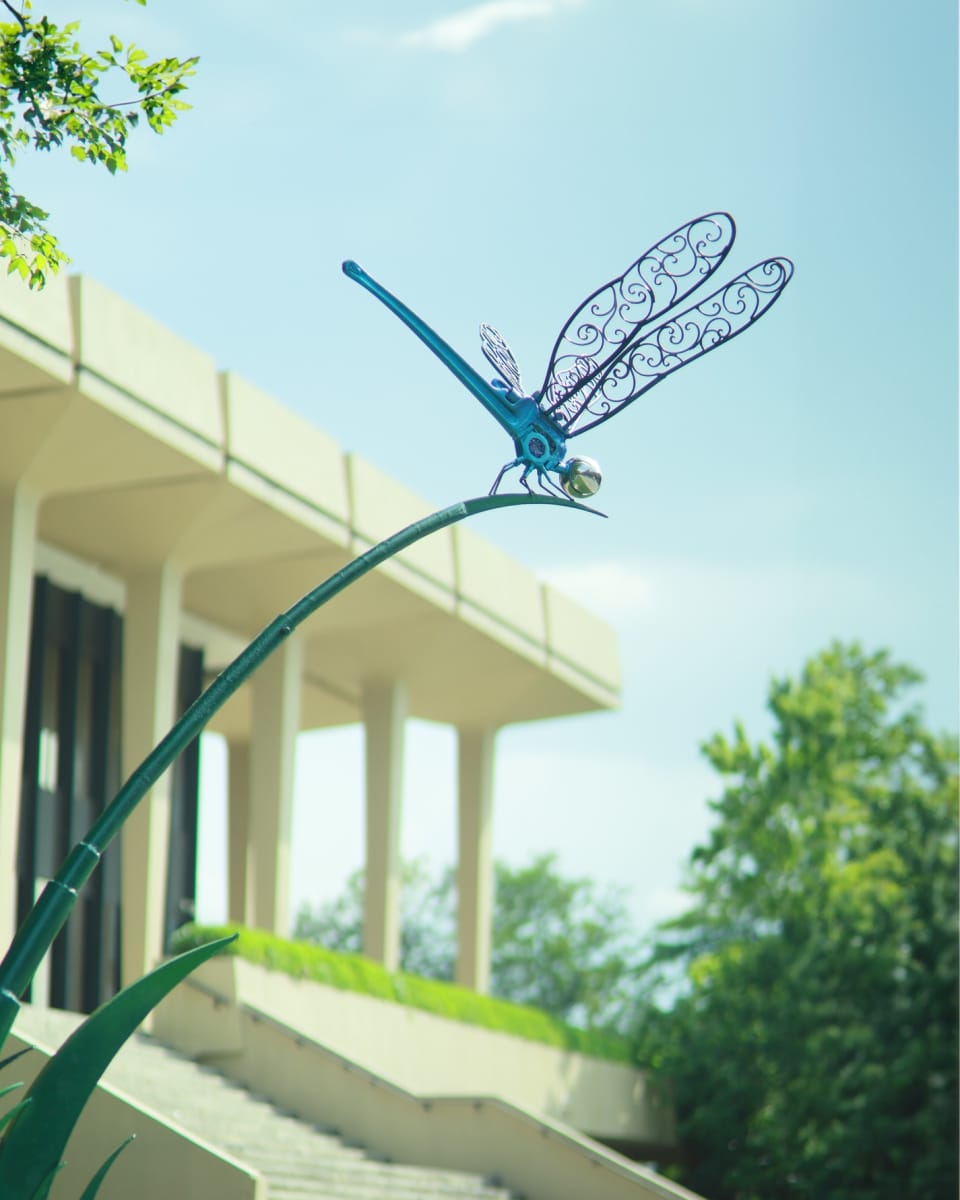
x=12 y=1112
x=90 y=1191
x=43 y=1191
x=34 y=1145
x=13 y=1057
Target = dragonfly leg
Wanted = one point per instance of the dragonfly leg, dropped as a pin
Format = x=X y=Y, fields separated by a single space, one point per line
x=524 y=478
x=503 y=470
x=548 y=484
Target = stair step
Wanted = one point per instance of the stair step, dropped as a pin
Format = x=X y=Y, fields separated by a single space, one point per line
x=299 y=1160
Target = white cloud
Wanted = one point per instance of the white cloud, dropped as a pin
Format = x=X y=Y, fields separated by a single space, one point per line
x=677 y=589
x=610 y=587
x=460 y=30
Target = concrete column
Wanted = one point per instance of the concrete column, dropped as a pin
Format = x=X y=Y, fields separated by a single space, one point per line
x=475 y=865
x=384 y=715
x=151 y=652
x=238 y=828
x=276 y=722
x=18 y=525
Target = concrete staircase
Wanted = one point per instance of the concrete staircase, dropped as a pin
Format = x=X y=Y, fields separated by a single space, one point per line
x=299 y=1161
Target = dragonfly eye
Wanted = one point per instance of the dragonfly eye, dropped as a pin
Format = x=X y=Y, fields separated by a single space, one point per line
x=580 y=477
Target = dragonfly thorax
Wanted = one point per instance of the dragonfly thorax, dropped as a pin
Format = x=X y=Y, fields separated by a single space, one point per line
x=540 y=446
x=539 y=443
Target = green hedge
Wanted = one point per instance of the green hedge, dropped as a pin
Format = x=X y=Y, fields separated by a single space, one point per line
x=354 y=973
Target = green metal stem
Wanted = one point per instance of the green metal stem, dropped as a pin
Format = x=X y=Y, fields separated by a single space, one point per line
x=56 y=901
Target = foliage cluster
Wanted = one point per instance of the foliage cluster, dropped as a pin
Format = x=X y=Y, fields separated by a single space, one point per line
x=50 y=97
x=559 y=944
x=353 y=972
x=814 y=1048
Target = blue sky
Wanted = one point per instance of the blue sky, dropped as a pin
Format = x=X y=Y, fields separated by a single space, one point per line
x=495 y=162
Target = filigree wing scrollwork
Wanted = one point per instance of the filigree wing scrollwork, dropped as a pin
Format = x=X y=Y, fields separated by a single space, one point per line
x=689 y=335
x=613 y=317
x=499 y=355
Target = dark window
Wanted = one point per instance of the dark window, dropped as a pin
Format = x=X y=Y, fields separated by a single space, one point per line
x=71 y=770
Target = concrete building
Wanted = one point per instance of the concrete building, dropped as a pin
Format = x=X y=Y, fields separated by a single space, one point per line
x=155 y=513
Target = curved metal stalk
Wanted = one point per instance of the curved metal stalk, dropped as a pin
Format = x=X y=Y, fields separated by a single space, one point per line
x=53 y=906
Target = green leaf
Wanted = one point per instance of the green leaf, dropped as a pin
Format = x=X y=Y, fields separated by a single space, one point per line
x=13 y=1058
x=12 y=1112
x=34 y=1146
x=44 y=1189
x=90 y=1191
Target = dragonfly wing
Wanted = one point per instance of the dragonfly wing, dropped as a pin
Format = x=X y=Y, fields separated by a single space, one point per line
x=662 y=350
x=610 y=319
x=500 y=356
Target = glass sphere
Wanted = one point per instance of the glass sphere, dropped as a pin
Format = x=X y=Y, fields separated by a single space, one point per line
x=580 y=478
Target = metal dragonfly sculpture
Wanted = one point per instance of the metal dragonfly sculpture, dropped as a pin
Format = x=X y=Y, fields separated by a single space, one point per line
x=606 y=354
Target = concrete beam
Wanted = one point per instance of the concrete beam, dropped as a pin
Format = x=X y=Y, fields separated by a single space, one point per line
x=18 y=524
x=151 y=656
x=384 y=714
x=276 y=720
x=475 y=880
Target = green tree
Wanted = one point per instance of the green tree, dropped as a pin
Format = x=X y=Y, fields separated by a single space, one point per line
x=50 y=97
x=560 y=944
x=814 y=1049
x=427 y=921
x=563 y=945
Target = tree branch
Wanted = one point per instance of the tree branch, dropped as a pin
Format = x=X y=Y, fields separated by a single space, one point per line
x=21 y=20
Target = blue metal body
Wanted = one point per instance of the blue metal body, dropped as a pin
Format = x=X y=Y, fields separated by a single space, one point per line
x=539 y=442
x=609 y=352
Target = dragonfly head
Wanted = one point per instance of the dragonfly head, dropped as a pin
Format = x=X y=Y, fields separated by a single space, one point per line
x=580 y=478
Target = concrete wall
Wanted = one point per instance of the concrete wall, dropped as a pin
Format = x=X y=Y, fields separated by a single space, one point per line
x=417 y=1051
x=539 y=1158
